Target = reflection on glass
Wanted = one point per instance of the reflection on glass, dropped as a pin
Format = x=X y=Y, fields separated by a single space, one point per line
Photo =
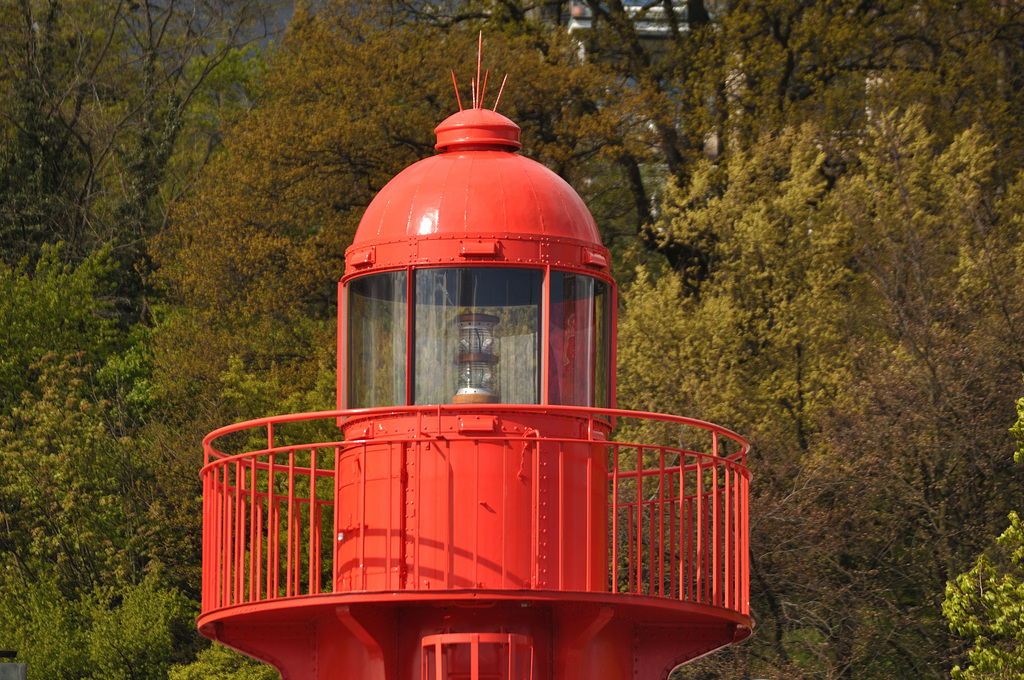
x=477 y=335
x=578 y=374
x=376 y=340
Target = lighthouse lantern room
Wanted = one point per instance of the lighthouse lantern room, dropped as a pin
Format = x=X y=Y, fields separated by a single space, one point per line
x=476 y=507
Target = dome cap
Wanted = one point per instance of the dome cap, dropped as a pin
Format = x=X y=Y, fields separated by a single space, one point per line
x=477 y=129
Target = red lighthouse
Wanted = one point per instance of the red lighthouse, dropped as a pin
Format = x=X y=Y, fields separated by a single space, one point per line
x=477 y=507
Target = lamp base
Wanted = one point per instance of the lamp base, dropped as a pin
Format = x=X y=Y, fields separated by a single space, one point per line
x=475 y=398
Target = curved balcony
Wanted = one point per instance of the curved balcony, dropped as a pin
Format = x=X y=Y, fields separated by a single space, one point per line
x=673 y=525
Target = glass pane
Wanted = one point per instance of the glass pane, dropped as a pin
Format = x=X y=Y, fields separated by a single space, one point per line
x=376 y=340
x=603 y=339
x=477 y=333
x=578 y=373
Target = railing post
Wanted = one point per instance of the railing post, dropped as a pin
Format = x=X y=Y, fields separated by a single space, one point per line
x=639 y=519
x=700 y=579
x=225 y=541
x=208 y=568
x=254 y=536
x=273 y=536
x=291 y=503
x=727 y=535
x=615 y=519
x=716 y=538
x=336 y=527
x=314 y=530
x=239 y=532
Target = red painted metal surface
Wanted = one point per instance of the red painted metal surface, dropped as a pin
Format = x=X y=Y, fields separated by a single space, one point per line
x=502 y=656
x=676 y=516
x=513 y=526
x=477 y=203
x=285 y=544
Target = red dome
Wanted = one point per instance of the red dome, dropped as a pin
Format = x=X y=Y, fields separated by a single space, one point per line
x=477 y=199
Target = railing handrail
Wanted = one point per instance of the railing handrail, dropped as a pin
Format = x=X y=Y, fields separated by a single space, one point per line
x=227 y=459
x=439 y=409
x=675 y=518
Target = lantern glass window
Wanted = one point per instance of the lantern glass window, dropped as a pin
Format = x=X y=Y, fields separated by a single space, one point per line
x=477 y=335
x=580 y=341
x=376 y=340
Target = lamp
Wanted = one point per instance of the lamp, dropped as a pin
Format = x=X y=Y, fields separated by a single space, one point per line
x=476 y=359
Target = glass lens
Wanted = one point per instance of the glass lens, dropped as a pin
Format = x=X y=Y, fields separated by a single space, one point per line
x=477 y=333
x=376 y=318
x=579 y=337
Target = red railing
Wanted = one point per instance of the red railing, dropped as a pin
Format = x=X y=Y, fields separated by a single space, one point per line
x=676 y=507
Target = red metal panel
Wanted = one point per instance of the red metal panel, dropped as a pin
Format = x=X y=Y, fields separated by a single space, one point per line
x=590 y=530
x=561 y=538
x=535 y=528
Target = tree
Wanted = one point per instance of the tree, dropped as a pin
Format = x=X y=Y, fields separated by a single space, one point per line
x=140 y=632
x=760 y=348
x=814 y=208
x=98 y=134
x=221 y=663
x=55 y=308
x=848 y=328
x=986 y=602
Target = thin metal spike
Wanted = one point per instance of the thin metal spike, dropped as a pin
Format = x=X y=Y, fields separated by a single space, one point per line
x=479 y=59
x=457 y=97
x=483 y=90
x=500 y=90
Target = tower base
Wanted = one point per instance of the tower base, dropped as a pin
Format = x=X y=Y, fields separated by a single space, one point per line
x=473 y=635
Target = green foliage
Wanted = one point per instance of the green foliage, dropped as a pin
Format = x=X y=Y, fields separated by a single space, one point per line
x=48 y=629
x=52 y=308
x=140 y=633
x=68 y=490
x=816 y=208
x=222 y=663
x=824 y=309
x=987 y=602
x=107 y=111
x=149 y=631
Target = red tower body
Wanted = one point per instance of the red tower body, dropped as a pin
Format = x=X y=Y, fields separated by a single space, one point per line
x=485 y=511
